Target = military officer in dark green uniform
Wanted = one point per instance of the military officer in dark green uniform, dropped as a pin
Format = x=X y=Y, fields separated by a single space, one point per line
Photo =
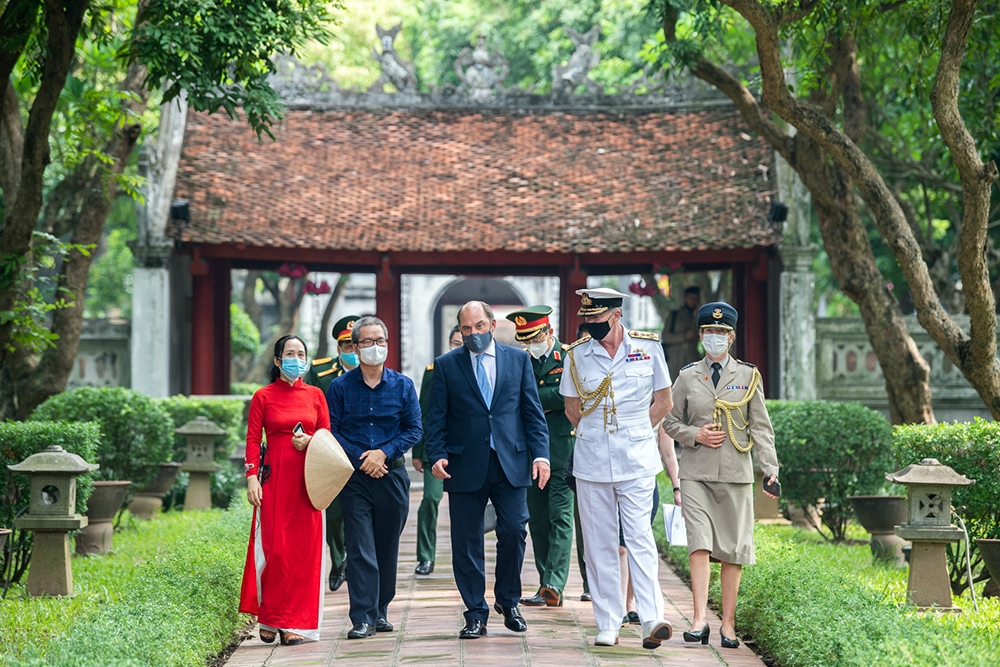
x=321 y=374
x=427 y=515
x=550 y=510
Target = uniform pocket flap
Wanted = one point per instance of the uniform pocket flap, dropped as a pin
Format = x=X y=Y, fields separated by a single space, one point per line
x=640 y=433
x=584 y=433
x=639 y=371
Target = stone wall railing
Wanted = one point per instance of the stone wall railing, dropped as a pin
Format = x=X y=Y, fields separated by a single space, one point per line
x=847 y=370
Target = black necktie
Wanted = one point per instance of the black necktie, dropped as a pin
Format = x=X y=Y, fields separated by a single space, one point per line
x=716 y=373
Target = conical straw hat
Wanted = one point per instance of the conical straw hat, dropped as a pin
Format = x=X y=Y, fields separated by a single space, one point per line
x=327 y=469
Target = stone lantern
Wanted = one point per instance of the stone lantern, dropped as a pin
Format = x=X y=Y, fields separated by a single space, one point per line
x=51 y=515
x=200 y=463
x=928 y=500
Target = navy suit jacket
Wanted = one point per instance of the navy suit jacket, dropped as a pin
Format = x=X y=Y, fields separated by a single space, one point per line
x=459 y=422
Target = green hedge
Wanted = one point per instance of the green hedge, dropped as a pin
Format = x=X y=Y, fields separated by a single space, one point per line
x=831 y=451
x=136 y=433
x=167 y=595
x=808 y=604
x=18 y=441
x=973 y=450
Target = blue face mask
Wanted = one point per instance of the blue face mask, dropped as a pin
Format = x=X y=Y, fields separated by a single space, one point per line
x=349 y=358
x=293 y=368
x=477 y=342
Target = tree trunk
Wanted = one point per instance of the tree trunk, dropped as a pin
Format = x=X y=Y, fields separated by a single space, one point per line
x=50 y=375
x=289 y=299
x=845 y=239
x=974 y=352
x=62 y=23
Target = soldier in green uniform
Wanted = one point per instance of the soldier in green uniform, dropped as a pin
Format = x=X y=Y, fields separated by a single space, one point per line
x=550 y=510
x=427 y=515
x=321 y=374
x=680 y=333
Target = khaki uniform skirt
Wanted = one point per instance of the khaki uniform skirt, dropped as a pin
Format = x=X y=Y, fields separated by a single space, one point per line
x=719 y=519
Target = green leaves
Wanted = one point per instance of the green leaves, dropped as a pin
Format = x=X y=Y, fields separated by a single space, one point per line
x=219 y=51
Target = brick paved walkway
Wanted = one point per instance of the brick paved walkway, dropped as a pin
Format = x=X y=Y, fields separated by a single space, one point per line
x=427 y=614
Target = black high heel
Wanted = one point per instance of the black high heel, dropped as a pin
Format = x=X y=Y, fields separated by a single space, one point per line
x=289 y=642
x=700 y=636
x=729 y=643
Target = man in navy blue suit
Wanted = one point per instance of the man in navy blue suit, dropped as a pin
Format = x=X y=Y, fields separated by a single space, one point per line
x=487 y=439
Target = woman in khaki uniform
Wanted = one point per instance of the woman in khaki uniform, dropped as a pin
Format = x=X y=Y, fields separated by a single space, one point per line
x=719 y=416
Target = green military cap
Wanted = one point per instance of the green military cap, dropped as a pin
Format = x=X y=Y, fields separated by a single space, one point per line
x=342 y=329
x=529 y=321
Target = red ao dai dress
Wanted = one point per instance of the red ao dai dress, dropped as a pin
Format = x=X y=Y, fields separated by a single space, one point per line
x=283 y=576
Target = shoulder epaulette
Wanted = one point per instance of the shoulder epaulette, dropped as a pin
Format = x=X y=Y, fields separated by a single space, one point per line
x=565 y=346
x=747 y=363
x=326 y=372
x=693 y=363
x=646 y=335
x=430 y=367
x=324 y=360
x=578 y=342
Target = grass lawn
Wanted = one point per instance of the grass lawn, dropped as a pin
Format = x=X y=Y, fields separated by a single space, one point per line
x=166 y=595
x=808 y=603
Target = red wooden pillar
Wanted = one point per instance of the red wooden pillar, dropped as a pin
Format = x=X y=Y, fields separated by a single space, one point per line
x=221 y=274
x=571 y=278
x=753 y=314
x=388 y=308
x=202 y=326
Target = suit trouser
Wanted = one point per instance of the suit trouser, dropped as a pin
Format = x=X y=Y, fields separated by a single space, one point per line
x=427 y=516
x=335 y=533
x=599 y=508
x=581 y=558
x=550 y=522
x=375 y=512
x=468 y=542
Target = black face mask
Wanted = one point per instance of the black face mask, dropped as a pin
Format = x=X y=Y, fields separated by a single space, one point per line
x=599 y=330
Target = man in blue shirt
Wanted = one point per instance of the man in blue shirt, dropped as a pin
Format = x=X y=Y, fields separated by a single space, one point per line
x=375 y=415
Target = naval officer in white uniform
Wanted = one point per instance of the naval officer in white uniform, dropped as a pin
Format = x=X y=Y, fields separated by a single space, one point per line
x=617 y=394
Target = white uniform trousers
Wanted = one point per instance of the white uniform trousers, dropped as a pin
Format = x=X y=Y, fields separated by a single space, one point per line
x=599 y=504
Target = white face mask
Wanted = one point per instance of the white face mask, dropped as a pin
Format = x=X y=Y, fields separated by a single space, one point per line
x=374 y=355
x=715 y=344
x=538 y=350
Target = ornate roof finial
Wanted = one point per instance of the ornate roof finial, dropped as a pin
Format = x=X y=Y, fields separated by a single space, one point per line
x=400 y=73
x=480 y=75
x=566 y=78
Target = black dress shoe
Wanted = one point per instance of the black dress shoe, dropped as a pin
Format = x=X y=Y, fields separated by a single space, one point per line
x=700 y=636
x=551 y=595
x=633 y=618
x=360 y=631
x=382 y=625
x=586 y=597
x=729 y=643
x=535 y=600
x=473 y=630
x=424 y=568
x=512 y=618
x=338 y=577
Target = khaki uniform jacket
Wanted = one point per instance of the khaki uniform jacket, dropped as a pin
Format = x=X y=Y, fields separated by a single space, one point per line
x=694 y=404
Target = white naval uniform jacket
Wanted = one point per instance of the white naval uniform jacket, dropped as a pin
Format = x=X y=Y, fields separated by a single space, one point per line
x=627 y=448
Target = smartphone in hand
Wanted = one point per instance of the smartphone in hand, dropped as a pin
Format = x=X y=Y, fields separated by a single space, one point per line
x=298 y=429
x=774 y=489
